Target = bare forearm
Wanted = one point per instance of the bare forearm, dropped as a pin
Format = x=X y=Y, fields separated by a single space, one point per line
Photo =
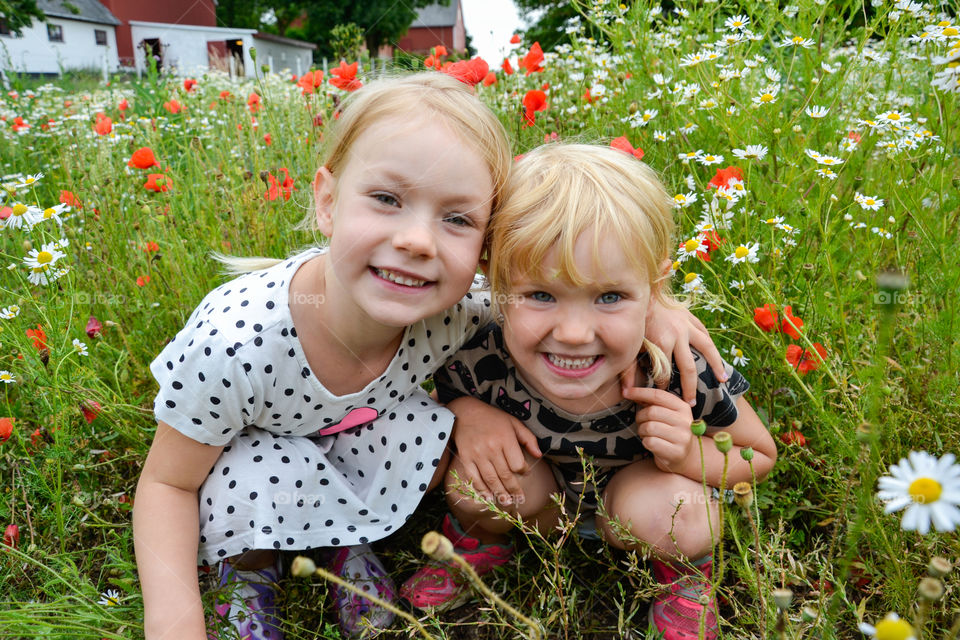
x=165 y=533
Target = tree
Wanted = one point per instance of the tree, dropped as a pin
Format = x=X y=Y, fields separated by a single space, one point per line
x=19 y=14
x=552 y=20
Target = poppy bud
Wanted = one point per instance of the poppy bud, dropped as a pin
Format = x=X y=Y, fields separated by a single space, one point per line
x=634 y=107
x=265 y=177
x=302 y=567
x=723 y=442
x=253 y=53
x=698 y=428
x=746 y=453
x=11 y=536
x=94 y=327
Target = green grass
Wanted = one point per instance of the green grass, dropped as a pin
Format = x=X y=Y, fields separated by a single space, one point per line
x=67 y=483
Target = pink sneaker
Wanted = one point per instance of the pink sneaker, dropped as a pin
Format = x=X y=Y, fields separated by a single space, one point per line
x=358 y=565
x=677 y=614
x=249 y=604
x=440 y=587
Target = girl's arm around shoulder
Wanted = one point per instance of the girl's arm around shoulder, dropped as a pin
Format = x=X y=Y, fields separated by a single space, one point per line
x=165 y=528
x=747 y=430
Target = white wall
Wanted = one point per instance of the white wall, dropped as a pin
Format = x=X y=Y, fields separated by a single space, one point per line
x=34 y=53
x=283 y=56
x=185 y=46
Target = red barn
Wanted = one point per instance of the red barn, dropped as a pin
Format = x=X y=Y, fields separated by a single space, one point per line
x=186 y=12
x=436 y=24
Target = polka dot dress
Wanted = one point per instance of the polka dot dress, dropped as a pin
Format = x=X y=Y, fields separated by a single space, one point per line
x=302 y=468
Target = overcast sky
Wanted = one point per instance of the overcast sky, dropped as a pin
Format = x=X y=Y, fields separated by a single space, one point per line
x=491 y=23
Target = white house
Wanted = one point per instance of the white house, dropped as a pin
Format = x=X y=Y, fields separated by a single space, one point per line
x=85 y=39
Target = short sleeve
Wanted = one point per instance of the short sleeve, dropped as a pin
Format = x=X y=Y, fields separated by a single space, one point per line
x=716 y=401
x=204 y=391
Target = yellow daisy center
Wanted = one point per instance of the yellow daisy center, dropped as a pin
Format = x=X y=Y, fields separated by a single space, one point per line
x=5 y=376
x=30 y=180
x=709 y=158
x=738 y=353
x=44 y=257
x=828 y=161
x=893 y=116
x=690 y=277
x=737 y=23
x=923 y=491
x=869 y=201
x=741 y=252
x=19 y=209
x=680 y=198
x=950 y=31
x=891 y=629
x=49 y=212
x=943 y=23
x=767 y=97
x=691 y=245
x=797 y=39
x=676 y=265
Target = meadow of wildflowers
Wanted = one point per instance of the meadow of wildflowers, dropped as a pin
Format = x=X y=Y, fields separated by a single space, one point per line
x=812 y=148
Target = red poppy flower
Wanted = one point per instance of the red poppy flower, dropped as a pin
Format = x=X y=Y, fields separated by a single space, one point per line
x=67 y=198
x=123 y=105
x=225 y=95
x=723 y=177
x=94 y=327
x=151 y=246
x=90 y=409
x=173 y=106
x=253 y=102
x=11 y=536
x=766 y=317
x=346 y=77
x=6 y=429
x=439 y=51
x=534 y=101
x=514 y=39
x=142 y=281
x=36 y=439
x=793 y=437
x=624 y=145
x=310 y=81
x=276 y=188
x=792 y=330
x=39 y=337
x=531 y=61
x=19 y=124
x=489 y=79
x=712 y=240
x=469 y=72
x=189 y=84
x=143 y=158
x=158 y=182
x=550 y=137
x=267 y=139
x=5 y=212
x=853 y=135
x=429 y=62
x=104 y=125
x=507 y=69
x=803 y=360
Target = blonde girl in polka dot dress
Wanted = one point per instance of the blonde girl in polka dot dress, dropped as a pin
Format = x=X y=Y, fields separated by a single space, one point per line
x=290 y=414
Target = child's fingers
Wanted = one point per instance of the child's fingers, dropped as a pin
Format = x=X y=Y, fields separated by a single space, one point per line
x=663 y=450
x=662 y=431
x=683 y=358
x=472 y=477
x=512 y=491
x=529 y=441
x=702 y=342
x=658 y=397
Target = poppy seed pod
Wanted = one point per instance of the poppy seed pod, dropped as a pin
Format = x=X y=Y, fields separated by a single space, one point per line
x=303 y=567
x=782 y=598
x=699 y=427
x=743 y=494
x=723 y=442
x=746 y=453
x=939 y=567
x=930 y=589
x=437 y=546
x=808 y=614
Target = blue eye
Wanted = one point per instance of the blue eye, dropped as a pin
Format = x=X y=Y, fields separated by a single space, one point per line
x=459 y=220
x=541 y=296
x=609 y=298
x=387 y=199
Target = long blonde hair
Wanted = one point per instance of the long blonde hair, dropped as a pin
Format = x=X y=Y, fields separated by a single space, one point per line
x=436 y=95
x=558 y=192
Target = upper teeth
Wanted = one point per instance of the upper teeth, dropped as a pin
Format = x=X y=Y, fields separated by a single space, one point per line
x=399 y=279
x=571 y=363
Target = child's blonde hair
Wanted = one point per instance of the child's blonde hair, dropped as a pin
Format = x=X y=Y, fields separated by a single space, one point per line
x=558 y=192
x=438 y=97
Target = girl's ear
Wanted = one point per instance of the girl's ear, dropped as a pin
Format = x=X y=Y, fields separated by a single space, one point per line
x=323 y=199
x=665 y=267
x=485 y=262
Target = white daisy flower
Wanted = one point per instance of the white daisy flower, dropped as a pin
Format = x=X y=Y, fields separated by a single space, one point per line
x=796 y=41
x=744 y=253
x=690 y=155
x=872 y=203
x=6 y=377
x=8 y=313
x=691 y=248
x=54 y=212
x=894 y=117
x=708 y=158
x=685 y=200
x=890 y=628
x=815 y=111
x=737 y=285
x=28 y=181
x=752 y=152
x=880 y=231
x=767 y=96
x=929 y=489
x=739 y=359
x=827 y=173
x=829 y=160
x=659 y=136
x=693 y=283
x=737 y=22
x=23 y=216
x=80 y=347
x=42 y=263
x=109 y=598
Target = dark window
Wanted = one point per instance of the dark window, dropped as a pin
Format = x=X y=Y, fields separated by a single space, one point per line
x=55 y=33
x=101 y=36
x=4 y=28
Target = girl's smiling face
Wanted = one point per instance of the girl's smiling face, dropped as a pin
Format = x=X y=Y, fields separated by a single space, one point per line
x=406 y=218
x=572 y=342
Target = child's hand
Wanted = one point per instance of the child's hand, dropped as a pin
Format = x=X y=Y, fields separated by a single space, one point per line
x=675 y=331
x=663 y=424
x=490 y=444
